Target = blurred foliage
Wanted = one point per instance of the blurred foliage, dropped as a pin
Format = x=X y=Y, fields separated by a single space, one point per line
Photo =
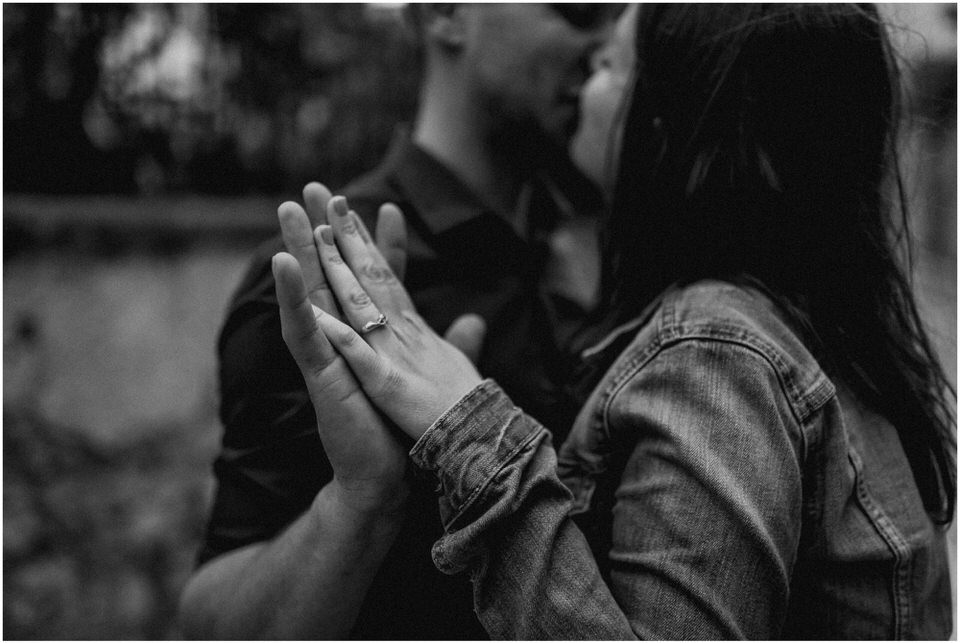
x=203 y=98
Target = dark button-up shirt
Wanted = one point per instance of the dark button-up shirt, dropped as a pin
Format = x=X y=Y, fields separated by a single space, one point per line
x=462 y=258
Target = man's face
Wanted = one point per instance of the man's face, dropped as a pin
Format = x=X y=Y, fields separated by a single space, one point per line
x=529 y=62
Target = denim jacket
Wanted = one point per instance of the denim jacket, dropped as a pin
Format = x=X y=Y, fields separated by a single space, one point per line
x=726 y=487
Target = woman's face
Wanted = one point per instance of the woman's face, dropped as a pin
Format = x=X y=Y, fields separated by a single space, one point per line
x=595 y=147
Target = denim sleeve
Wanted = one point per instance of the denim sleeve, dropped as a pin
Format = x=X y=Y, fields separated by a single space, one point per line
x=707 y=517
x=504 y=515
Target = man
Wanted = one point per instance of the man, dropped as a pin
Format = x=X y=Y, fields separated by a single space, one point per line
x=306 y=541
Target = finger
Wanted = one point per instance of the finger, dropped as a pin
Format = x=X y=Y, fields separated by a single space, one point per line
x=373 y=373
x=298 y=238
x=315 y=198
x=358 y=308
x=329 y=379
x=467 y=333
x=364 y=259
x=350 y=240
x=298 y=318
x=392 y=238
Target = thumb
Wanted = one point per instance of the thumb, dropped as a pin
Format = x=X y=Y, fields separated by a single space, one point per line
x=298 y=317
x=467 y=333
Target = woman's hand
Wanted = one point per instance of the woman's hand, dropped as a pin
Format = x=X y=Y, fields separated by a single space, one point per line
x=367 y=459
x=297 y=226
x=406 y=369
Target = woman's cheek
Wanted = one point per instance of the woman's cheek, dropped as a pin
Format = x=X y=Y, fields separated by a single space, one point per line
x=590 y=146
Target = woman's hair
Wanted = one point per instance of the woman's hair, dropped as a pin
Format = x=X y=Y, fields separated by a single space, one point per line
x=759 y=145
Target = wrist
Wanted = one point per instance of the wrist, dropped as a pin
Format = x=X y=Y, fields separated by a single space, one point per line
x=366 y=503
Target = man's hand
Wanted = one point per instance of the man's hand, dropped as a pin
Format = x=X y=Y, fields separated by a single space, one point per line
x=310 y=580
x=408 y=371
x=367 y=459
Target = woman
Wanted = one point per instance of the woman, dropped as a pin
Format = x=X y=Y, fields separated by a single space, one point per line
x=768 y=448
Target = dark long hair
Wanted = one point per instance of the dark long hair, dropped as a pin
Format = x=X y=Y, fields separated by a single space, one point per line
x=759 y=144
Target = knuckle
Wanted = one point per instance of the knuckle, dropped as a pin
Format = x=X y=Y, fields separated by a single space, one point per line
x=295 y=335
x=305 y=336
x=348 y=338
x=320 y=287
x=415 y=320
x=301 y=246
x=317 y=370
x=389 y=384
x=359 y=298
x=377 y=273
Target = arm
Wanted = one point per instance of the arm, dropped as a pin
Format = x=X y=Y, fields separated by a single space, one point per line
x=312 y=578
x=705 y=528
x=505 y=518
x=308 y=582
x=708 y=519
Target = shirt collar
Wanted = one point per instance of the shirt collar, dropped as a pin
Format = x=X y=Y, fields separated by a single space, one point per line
x=475 y=239
x=439 y=197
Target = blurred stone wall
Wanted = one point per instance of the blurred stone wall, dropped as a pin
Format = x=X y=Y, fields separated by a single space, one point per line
x=109 y=410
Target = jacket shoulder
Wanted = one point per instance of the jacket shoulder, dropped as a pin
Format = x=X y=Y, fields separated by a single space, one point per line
x=719 y=311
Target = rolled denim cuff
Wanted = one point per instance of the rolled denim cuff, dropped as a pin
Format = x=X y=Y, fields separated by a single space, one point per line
x=471 y=442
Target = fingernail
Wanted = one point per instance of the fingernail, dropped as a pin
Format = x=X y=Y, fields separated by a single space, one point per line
x=326 y=235
x=340 y=206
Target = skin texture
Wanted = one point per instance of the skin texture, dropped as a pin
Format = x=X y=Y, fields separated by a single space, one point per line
x=595 y=147
x=404 y=368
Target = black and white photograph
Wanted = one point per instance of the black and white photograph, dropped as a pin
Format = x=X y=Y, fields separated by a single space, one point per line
x=473 y=321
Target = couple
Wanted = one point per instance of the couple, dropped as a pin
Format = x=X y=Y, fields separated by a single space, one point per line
x=767 y=450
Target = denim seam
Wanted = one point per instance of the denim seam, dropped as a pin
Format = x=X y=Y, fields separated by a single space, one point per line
x=668 y=329
x=819 y=393
x=736 y=334
x=806 y=402
x=628 y=370
x=498 y=466
x=484 y=390
x=624 y=372
x=582 y=475
x=812 y=505
x=895 y=543
x=618 y=386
